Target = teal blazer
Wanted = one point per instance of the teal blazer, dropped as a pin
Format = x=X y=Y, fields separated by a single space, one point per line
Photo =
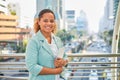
x=39 y=55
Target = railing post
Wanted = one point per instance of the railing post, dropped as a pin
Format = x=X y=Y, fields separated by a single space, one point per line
x=116 y=38
x=118 y=75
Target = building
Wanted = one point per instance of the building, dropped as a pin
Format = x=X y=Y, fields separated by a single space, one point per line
x=106 y=22
x=115 y=7
x=9 y=32
x=70 y=19
x=3 y=6
x=82 y=22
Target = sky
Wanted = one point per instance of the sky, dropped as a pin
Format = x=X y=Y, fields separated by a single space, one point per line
x=93 y=9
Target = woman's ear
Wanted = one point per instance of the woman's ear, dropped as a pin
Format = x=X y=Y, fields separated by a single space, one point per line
x=38 y=21
x=55 y=28
x=36 y=25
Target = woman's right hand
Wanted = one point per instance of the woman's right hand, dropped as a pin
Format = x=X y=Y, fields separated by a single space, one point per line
x=46 y=70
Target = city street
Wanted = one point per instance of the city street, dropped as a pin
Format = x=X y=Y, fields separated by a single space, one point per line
x=94 y=47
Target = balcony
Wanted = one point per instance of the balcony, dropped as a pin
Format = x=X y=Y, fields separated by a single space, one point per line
x=80 y=66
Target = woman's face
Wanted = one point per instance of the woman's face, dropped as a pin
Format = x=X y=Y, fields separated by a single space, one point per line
x=47 y=23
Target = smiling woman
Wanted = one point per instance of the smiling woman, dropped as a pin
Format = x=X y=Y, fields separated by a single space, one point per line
x=43 y=49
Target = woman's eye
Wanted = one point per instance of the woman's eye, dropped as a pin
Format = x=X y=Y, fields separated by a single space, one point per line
x=52 y=21
x=45 y=20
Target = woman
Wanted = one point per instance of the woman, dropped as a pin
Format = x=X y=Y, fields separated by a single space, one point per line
x=42 y=51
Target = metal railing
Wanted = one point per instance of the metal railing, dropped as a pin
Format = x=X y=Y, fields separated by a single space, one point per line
x=12 y=66
x=81 y=69
x=79 y=66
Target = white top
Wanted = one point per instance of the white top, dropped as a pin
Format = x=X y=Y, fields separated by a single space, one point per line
x=55 y=50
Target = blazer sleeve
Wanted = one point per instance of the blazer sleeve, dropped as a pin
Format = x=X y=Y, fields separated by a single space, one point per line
x=31 y=58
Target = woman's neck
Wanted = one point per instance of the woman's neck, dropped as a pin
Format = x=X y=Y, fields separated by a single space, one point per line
x=47 y=36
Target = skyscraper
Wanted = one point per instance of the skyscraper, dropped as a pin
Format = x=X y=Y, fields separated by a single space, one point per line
x=3 y=6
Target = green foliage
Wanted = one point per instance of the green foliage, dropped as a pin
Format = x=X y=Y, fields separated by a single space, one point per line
x=22 y=46
x=13 y=12
x=65 y=36
x=110 y=32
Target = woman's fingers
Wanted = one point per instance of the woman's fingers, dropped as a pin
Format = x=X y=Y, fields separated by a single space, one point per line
x=59 y=62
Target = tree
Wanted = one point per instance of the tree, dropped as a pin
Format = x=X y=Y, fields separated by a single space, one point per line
x=65 y=36
x=111 y=35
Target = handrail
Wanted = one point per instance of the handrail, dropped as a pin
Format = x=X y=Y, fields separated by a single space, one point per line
x=92 y=67
x=13 y=55
x=93 y=63
x=12 y=63
x=69 y=55
x=15 y=78
x=13 y=68
x=93 y=55
x=72 y=77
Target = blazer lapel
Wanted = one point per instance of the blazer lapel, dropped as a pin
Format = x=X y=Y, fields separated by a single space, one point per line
x=59 y=45
x=43 y=43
